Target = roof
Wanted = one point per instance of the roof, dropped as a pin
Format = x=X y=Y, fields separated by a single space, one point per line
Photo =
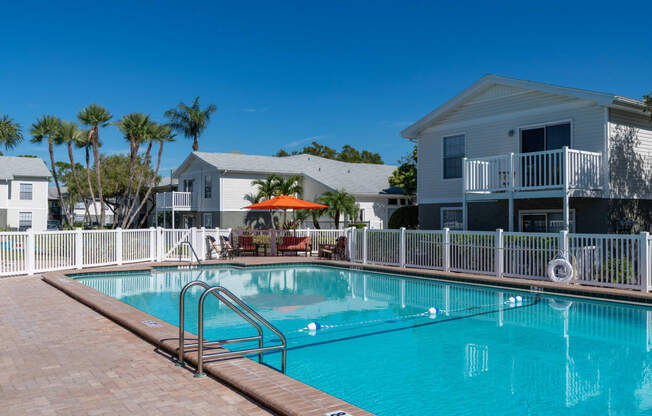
x=53 y=194
x=601 y=98
x=14 y=166
x=354 y=178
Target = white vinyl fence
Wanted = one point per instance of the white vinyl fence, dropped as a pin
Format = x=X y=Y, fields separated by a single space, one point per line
x=620 y=261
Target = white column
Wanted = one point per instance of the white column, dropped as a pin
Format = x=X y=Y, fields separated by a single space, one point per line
x=79 y=248
x=499 y=253
x=566 y=212
x=402 y=247
x=464 y=203
x=566 y=187
x=645 y=266
x=30 y=251
x=364 y=245
x=152 y=243
x=563 y=243
x=173 y=217
x=118 y=245
x=446 y=250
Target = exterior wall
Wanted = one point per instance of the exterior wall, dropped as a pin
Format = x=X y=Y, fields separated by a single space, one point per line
x=486 y=125
x=631 y=155
x=197 y=170
x=430 y=215
x=3 y=218
x=38 y=205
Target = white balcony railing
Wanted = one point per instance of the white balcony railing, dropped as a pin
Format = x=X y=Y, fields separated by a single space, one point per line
x=179 y=201
x=554 y=169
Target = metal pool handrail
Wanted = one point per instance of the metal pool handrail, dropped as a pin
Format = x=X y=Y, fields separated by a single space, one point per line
x=193 y=252
x=228 y=299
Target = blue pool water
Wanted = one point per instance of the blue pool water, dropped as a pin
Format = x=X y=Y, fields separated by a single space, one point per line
x=381 y=350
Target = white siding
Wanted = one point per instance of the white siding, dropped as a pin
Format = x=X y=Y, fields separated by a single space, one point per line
x=198 y=170
x=38 y=205
x=486 y=126
x=627 y=180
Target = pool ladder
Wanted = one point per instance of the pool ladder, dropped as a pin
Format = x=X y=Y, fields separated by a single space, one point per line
x=244 y=311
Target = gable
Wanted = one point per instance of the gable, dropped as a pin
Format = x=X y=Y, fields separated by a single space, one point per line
x=494 y=92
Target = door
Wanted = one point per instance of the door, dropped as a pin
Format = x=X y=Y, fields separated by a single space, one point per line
x=543 y=170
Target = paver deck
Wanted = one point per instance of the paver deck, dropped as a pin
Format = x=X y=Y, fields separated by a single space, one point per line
x=61 y=358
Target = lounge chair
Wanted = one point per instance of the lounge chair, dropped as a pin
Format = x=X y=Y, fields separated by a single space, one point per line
x=294 y=245
x=223 y=250
x=334 y=252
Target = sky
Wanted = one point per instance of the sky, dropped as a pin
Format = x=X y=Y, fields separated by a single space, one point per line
x=283 y=74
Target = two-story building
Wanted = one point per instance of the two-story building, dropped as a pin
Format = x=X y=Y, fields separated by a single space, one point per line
x=214 y=188
x=23 y=193
x=521 y=155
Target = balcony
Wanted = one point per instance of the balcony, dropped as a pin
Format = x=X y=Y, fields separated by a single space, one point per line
x=173 y=201
x=547 y=173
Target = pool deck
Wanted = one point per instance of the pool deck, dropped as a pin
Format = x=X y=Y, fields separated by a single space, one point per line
x=61 y=357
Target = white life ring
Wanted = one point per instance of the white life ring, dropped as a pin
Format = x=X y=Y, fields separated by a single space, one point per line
x=560 y=270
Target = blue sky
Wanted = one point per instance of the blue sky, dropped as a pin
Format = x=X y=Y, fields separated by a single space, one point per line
x=285 y=73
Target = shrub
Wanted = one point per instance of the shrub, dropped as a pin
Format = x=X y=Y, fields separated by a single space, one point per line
x=407 y=216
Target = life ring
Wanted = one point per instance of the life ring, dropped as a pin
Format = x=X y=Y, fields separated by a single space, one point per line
x=560 y=270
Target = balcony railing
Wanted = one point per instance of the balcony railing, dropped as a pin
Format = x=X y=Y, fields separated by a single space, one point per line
x=553 y=169
x=179 y=201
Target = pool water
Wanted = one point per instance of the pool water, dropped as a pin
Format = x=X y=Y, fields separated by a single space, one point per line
x=380 y=348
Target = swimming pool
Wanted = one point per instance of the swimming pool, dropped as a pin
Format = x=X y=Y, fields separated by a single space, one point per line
x=381 y=349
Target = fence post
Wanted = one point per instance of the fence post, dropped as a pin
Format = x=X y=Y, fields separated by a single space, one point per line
x=349 y=243
x=402 y=247
x=202 y=244
x=118 y=246
x=152 y=244
x=364 y=245
x=79 y=248
x=446 y=250
x=30 y=252
x=160 y=243
x=499 y=264
x=644 y=258
x=563 y=243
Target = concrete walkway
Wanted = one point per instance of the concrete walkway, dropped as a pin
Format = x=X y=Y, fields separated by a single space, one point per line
x=59 y=357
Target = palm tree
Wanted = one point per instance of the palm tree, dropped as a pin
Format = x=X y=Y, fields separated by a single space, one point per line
x=10 y=132
x=266 y=188
x=290 y=186
x=71 y=134
x=339 y=202
x=161 y=134
x=135 y=127
x=49 y=128
x=96 y=116
x=85 y=143
x=191 y=121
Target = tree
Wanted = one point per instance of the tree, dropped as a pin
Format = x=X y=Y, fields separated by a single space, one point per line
x=161 y=134
x=339 y=202
x=266 y=188
x=136 y=128
x=86 y=143
x=405 y=176
x=348 y=153
x=191 y=121
x=648 y=104
x=71 y=134
x=290 y=186
x=96 y=116
x=10 y=132
x=49 y=128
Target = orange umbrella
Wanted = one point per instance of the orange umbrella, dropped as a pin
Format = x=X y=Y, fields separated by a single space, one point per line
x=285 y=202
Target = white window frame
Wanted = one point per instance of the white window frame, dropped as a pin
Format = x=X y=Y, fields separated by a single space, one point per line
x=443 y=139
x=20 y=191
x=571 y=215
x=442 y=210
x=546 y=124
x=31 y=219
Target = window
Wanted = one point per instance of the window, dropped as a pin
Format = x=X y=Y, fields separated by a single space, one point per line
x=208 y=220
x=26 y=191
x=549 y=137
x=453 y=155
x=24 y=220
x=550 y=221
x=187 y=185
x=208 y=187
x=452 y=218
x=392 y=201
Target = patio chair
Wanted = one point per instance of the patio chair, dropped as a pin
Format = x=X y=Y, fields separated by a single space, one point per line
x=336 y=252
x=294 y=245
x=222 y=250
x=245 y=245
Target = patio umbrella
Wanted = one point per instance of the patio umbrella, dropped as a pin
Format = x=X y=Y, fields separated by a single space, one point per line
x=285 y=202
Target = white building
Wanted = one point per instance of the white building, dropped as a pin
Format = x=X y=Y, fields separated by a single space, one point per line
x=23 y=193
x=528 y=156
x=215 y=188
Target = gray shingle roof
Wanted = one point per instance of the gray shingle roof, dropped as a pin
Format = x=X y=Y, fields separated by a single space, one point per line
x=355 y=178
x=12 y=166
